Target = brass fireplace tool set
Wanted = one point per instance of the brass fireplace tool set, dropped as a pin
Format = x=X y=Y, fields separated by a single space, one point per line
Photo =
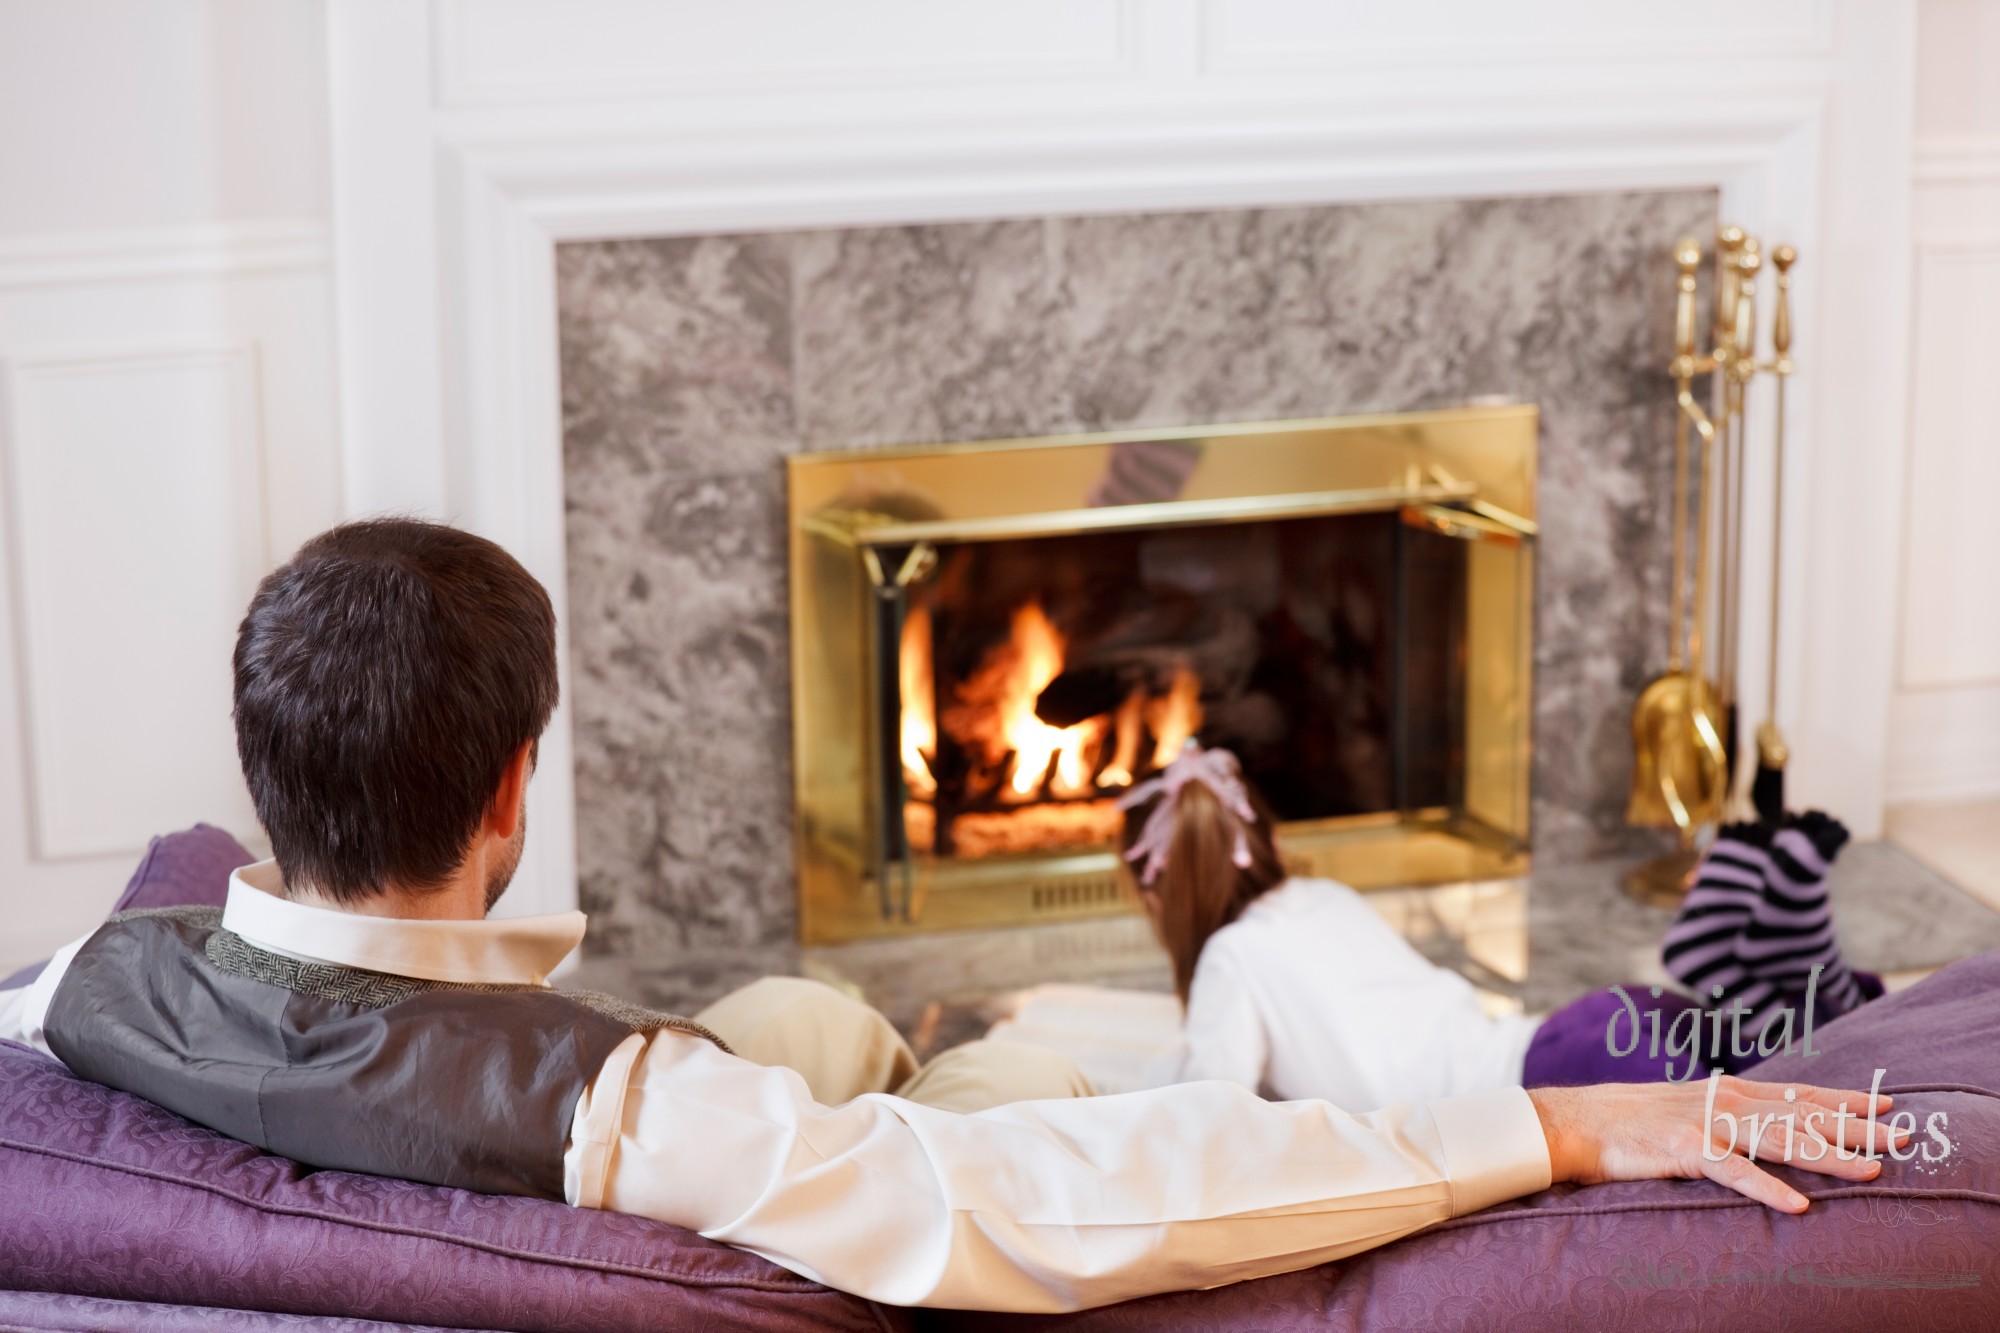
x=1684 y=727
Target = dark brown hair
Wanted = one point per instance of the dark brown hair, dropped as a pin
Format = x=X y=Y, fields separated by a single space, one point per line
x=385 y=675
x=1201 y=888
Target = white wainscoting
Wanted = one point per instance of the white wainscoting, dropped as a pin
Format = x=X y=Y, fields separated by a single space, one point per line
x=470 y=138
x=1954 y=470
x=166 y=432
x=1945 y=722
x=491 y=52
x=1247 y=36
x=108 y=456
x=1945 y=747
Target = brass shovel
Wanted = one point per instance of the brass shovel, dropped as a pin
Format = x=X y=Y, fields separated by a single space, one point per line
x=1665 y=697
x=1681 y=769
x=1677 y=723
x=1677 y=731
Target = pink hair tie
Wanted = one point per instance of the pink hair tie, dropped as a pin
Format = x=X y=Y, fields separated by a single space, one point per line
x=1215 y=769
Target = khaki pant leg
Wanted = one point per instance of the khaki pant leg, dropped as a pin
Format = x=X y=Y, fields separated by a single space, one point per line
x=984 y=1074
x=840 y=1046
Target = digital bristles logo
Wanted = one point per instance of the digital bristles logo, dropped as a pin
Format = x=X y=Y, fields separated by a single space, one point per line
x=1810 y=1125
x=1683 y=1036
x=1813 y=1126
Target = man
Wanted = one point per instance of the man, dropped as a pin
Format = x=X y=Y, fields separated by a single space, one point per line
x=353 y=1008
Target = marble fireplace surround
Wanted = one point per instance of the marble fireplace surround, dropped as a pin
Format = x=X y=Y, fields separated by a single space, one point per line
x=690 y=366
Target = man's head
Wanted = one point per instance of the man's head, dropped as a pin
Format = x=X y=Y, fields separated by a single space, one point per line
x=391 y=680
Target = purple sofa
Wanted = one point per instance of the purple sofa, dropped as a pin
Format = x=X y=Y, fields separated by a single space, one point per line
x=115 y=1214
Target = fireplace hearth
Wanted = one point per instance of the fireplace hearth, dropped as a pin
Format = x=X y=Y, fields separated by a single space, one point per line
x=993 y=641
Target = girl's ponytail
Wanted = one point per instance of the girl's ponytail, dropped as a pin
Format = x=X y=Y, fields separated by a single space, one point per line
x=1207 y=862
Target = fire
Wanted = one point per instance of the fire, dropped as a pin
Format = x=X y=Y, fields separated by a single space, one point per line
x=1174 y=718
x=1034 y=784
x=1036 y=744
x=919 y=703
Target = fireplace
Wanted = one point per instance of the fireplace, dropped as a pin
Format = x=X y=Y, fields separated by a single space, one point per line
x=695 y=367
x=993 y=641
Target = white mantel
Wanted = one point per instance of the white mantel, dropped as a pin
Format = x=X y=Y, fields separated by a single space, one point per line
x=470 y=136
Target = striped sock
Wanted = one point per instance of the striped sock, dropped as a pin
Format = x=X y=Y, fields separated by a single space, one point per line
x=1791 y=931
x=1757 y=921
x=1701 y=947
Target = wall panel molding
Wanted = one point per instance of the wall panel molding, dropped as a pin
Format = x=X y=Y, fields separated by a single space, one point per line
x=1945 y=727
x=1948 y=744
x=137 y=527
x=1263 y=36
x=165 y=252
x=499 y=52
x=1957 y=160
x=1954 y=466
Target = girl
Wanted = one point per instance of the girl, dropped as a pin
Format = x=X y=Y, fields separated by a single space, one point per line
x=1296 y=988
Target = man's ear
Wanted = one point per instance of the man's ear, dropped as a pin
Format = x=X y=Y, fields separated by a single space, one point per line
x=503 y=817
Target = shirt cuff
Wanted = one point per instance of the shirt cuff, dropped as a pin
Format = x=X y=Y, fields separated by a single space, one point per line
x=1494 y=1148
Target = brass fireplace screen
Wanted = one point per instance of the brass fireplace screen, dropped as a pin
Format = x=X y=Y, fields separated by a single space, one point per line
x=991 y=642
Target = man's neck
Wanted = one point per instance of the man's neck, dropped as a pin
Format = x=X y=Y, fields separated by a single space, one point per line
x=468 y=893
x=461 y=898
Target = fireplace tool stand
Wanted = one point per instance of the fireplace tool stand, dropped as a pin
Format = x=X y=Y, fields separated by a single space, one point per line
x=1687 y=761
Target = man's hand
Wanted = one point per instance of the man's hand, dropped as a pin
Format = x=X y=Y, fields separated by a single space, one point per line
x=1646 y=1131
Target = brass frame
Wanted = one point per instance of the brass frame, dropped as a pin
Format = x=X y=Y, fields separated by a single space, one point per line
x=863 y=521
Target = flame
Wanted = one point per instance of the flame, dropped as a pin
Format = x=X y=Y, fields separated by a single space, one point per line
x=991 y=713
x=919 y=703
x=1118 y=773
x=1175 y=717
x=1034 y=742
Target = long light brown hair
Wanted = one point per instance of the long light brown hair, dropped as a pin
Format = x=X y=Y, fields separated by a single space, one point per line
x=1200 y=888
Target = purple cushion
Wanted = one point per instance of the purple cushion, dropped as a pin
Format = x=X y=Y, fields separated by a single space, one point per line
x=56 y=1312
x=108 y=1196
x=1944 y=1030
x=186 y=869
x=110 y=1199
x=1918 y=1247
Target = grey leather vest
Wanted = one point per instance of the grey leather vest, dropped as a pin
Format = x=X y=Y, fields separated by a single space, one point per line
x=335 y=1067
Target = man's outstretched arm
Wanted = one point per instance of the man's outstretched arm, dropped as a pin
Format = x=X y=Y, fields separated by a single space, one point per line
x=1060 y=1205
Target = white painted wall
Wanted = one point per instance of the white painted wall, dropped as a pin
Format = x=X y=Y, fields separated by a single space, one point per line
x=156 y=113
x=167 y=425
x=1945 y=720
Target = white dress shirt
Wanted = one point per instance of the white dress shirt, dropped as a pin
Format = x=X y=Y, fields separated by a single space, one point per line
x=1038 y=1206
x=1310 y=993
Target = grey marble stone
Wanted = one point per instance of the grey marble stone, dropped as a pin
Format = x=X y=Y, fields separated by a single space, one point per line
x=911 y=334
x=676 y=355
x=680 y=713
x=691 y=366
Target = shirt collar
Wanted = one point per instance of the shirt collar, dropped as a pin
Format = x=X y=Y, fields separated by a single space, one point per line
x=514 y=951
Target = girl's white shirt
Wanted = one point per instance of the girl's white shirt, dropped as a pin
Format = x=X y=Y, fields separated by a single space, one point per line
x=1310 y=993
